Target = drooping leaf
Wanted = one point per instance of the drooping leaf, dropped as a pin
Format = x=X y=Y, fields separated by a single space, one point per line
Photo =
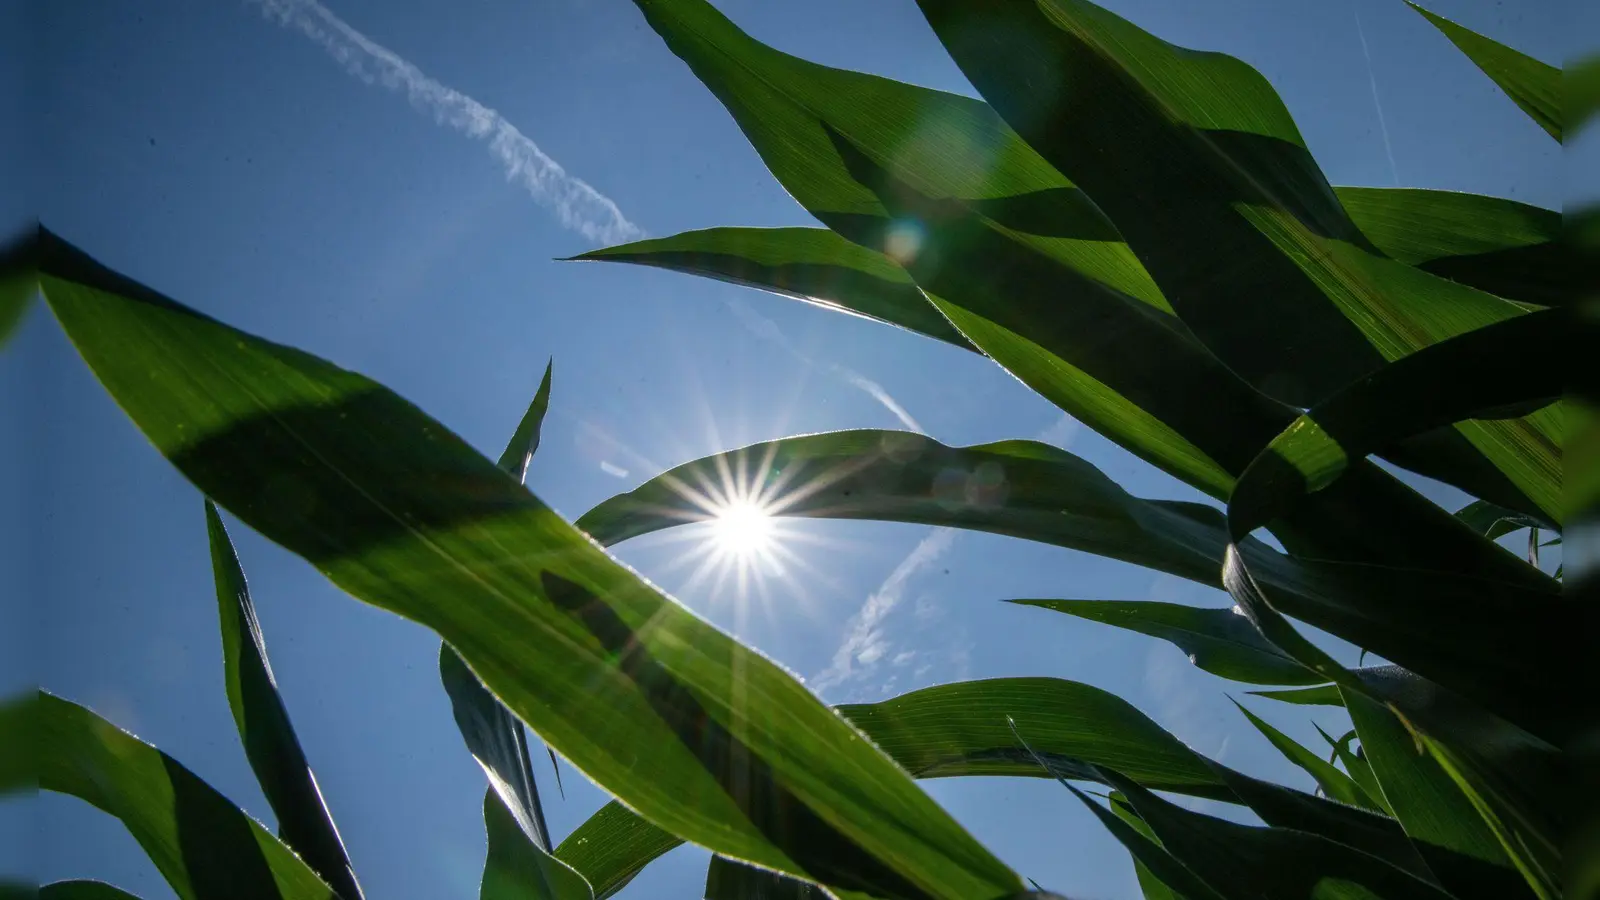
x=1435 y=814
x=1018 y=488
x=1532 y=85
x=82 y=890
x=728 y=879
x=1351 y=826
x=962 y=729
x=611 y=846
x=1244 y=861
x=1506 y=248
x=274 y=751
x=1199 y=165
x=401 y=513
x=1321 y=695
x=205 y=847
x=1219 y=641
x=814 y=265
x=516 y=869
x=1510 y=642
x=800 y=117
x=1334 y=783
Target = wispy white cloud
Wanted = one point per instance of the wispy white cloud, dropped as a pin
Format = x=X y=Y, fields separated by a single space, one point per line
x=578 y=205
x=866 y=642
x=767 y=330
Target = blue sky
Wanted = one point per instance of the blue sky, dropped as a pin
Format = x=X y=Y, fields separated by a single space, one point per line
x=264 y=172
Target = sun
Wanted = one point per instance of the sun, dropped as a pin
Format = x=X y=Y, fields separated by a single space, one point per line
x=743 y=529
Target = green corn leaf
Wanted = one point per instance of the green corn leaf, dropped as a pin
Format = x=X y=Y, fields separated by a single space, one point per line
x=814 y=265
x=1580 y=82
x=12 y=890
x=401 y=513
x=19 y=281
x=1334 y=783
x=955 y=730
x=1532 y=85
x=1220 y=641
x=516 y=869
x=799 y=116
x=961 y=729
x=1199 y=165
x=1243 y=861
x=1019 y=488
x=728 y=879
x=1510 y=642
x=1352 y=826
x=1357 y=767
x=1493 y=521
x=279 y=763
x=1151 y=886
x=206 y=847
x=1321 y=695
x=496 y=740
x=19 y=762
x=611 y=846
x=493 y=734
x=1438 y=818
x=82 y=890
x=1506 y=248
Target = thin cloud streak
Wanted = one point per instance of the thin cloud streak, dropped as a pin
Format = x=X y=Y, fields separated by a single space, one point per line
x=767 y=330
x=1372 y=79
x=576 y=204
x=865 y=642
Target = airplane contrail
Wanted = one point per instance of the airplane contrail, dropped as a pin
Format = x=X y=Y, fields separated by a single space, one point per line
x=578 y=205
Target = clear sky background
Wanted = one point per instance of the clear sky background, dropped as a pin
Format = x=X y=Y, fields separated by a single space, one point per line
x=242 y=166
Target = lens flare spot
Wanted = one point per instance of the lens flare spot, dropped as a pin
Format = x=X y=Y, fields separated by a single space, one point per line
x=903 y=241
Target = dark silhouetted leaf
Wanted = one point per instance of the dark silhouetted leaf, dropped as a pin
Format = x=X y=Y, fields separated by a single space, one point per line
x=279 y=763
x=516 y=869
x=1219 y=641
x=815 y=265
x=728 y=879
x=204 y=845
x=80 y=890
x=1334 y=783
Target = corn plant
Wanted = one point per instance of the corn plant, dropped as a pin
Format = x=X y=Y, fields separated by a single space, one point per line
x=1137 y=232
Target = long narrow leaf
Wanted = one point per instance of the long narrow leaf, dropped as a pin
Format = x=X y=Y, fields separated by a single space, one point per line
x=1019 y=488
x=1510 y=642
x=815 y=265
x=1220 y=641
x=1435 y=814
x=611 y=846
x=1357 y=767
x=1197 y=162
x=1506 y=248
x=82 y=890
x=516 y=869
x=401 y=513
x=205 y=847
x=1532 y=85
x=1334 y=783
x=279 y=763
x=493 y=734
x=1321 y=695
x=1243 y=861
x=728 y=879
x=1151 y=886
